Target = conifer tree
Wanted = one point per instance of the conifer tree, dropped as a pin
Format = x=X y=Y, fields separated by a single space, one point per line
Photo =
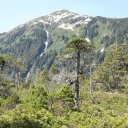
x=78 y=46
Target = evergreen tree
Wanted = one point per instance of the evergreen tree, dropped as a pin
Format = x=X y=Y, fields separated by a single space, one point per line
x=114 y=68
x=78 y=46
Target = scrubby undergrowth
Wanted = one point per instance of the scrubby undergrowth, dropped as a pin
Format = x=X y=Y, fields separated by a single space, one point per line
x=34 y=107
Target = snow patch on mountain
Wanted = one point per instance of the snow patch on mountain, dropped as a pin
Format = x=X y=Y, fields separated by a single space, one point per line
x=65 y=16
x=84 y=19
x=76 y=16
x=58 y=17
x=66 y=26
x=87 y=20
x=87 y=39
x=71 y=26
x=46 y=42
x=39 y=21
x=102 y=50
x=20 y=26
x=50 y=18
x=106 y=34
x=45 y=23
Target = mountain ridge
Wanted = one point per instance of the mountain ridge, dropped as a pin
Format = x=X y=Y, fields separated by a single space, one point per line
x=40 y=40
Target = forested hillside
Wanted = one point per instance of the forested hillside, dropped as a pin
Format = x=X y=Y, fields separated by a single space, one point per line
x=65 y=71
x=39 y=41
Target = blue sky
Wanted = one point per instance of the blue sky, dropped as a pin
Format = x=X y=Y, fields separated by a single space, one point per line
x=16 y=12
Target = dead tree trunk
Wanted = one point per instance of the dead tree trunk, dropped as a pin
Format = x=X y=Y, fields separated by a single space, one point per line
x=76 y=94
x=91 y=87
x=17 y=79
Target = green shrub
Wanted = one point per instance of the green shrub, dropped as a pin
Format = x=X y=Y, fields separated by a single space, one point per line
x=11 y=102
x=65 y=95
x=1 y=100
x=36 y=97
x=29 y=118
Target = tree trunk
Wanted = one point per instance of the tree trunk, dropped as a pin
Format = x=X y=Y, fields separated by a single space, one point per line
x=17 y=79
x=76 y=94
x=91 y=95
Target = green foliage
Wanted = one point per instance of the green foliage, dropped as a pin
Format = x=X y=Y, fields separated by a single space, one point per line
x=44 y=76
x=1 y=101
x=60 y=37
x=11 y=102
x=79 y=45
x=65 y=95
x=110 y=110
x=2 y=62
x=11 y=62
x=29 y=118
x=54 y=70
x=112 y=73
x=28 y=41
x=36 y=97
x=50 y=57
x=29 y=106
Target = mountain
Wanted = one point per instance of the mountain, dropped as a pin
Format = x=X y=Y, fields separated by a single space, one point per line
x=40 y=40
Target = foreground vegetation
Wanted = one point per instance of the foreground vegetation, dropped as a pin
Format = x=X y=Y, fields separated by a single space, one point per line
x=49 y=105
x=32 y=107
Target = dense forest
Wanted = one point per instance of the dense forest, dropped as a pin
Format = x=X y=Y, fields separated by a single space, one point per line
x=58 y=78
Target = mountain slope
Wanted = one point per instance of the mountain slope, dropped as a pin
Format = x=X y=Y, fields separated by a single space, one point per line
x=40 y=40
